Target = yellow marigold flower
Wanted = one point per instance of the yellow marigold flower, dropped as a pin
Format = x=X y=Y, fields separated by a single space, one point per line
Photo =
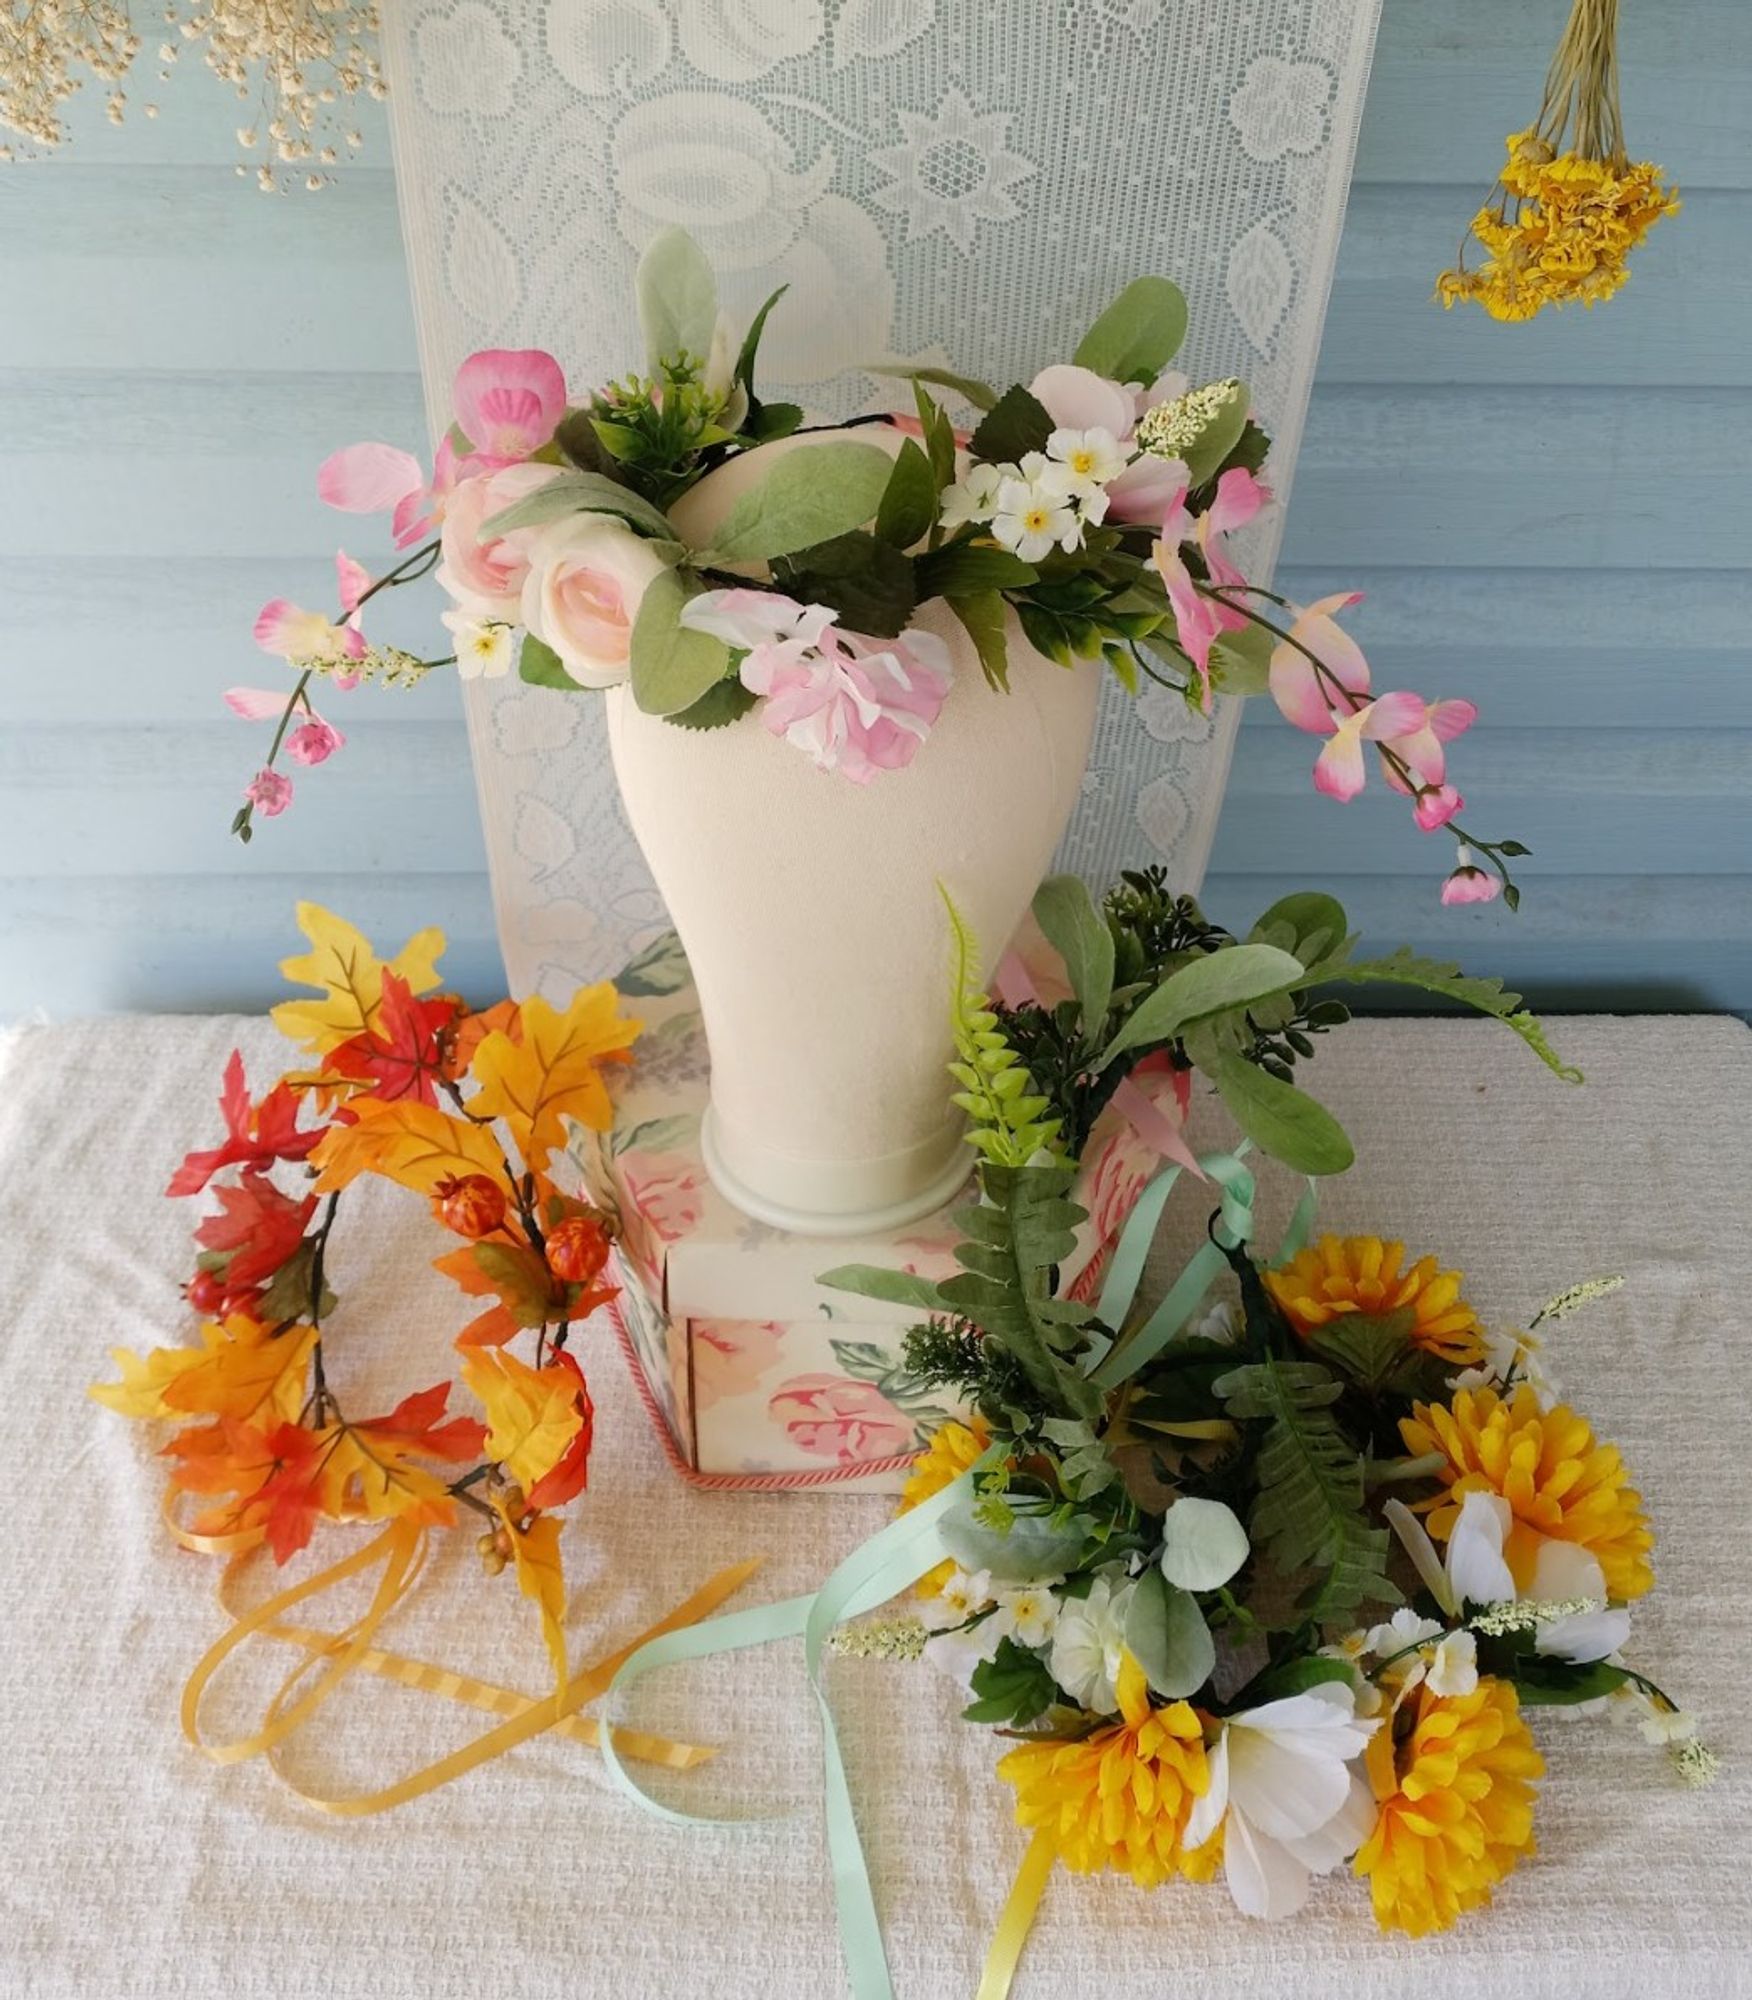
x=1545 y=1463
x=1456 y=1798
x=1120 y=1798
x=1361 y=1274
x=952 y=1450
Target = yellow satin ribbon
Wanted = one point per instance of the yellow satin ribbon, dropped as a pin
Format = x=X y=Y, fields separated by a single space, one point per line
x=401 y=1551
x=1018 y=1918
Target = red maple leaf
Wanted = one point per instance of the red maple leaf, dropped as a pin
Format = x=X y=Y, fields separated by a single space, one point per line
x=413 y=1426
x=293 y=1492
x=571 y=1474
x=257 y=1229
x=403 y=1056
x=254 y=1137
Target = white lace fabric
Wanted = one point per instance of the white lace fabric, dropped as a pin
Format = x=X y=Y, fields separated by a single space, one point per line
x=936 y=180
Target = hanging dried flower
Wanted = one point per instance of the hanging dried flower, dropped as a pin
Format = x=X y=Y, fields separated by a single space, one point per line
x=300 y=59
x=1570 y=205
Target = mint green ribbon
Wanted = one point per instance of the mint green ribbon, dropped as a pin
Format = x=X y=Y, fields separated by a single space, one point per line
x=887 y=1564
x=909 y=1548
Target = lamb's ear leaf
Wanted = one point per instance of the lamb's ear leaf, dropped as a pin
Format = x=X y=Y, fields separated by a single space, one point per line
x=671 y=665
x=810 y=495
x=1072 y=925
x=677 y=298
x=1282 y=1120
x=1138 y=335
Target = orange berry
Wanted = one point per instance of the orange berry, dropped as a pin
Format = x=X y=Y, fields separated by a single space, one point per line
x=472 y=1206
x=577 y=1249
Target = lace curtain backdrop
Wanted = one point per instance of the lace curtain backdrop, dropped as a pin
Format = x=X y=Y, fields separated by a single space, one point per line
x=961 y=182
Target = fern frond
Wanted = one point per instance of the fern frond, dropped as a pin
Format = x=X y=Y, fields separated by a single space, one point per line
x=1309 y=1510
x=996 y=1091
x=1488 y=996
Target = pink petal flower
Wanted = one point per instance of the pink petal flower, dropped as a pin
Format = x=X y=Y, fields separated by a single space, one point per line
x=368 y=478
x=853 y=705
x=269 y=793
x=1470 y=884
x=1146 y=489
x=354 y=580
x=1078 y=399
x=290 y=632
x=1339 y=771
x=314 y=741
x=1301 y=694
x=1238 y=498
x=509 y=402
x=1436 y=806
x=1389 y=718
x=256 y=704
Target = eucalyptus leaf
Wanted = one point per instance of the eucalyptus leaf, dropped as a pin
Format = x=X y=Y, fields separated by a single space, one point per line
x=809 y=495
x=1138 y=335
x=577 y=493
x=672 y=667
x=1166 y=1633
x=541 y=666
x=1280 y=1119
x=1203 y=1543
x=1208 y=985
x=1074 y=928
x=677 y=298
x=1030 y=1550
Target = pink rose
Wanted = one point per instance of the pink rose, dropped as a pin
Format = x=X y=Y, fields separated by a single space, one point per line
x=486 y=578
x=587 y=578
x=314 y=742
x=731 y=1355
x=831 y=1416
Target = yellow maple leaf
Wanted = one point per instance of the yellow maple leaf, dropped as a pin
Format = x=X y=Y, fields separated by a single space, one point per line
x=532 y=1415
x=349 y=976
x=240 y=1370
x=552 y=1071
x=413 y=1144
x=540 y=1576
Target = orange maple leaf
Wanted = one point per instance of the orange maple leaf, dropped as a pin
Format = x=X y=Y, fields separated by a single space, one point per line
x=240 y=1370
x=411 y=1143
x=569 y=1474
x=374 y=1471
x=349 y=976
x=503 y=1017
x=532 y=1414
x=553 y=1071
x=535 y=1550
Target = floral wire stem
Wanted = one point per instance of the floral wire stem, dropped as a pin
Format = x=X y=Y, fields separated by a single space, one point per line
x=1224 y=593
x=409 y=570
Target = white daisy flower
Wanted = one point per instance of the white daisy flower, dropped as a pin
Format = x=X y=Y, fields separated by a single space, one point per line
x=1032 y=520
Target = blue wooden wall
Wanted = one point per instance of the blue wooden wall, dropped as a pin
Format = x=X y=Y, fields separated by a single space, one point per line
x=1554 y=520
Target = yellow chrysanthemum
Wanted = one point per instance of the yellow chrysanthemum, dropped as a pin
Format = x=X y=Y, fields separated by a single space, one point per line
x=1545 y=1463
x=1120 y=1799
x=1361 y=1274
x=952 y=1450
x=1456 y=1798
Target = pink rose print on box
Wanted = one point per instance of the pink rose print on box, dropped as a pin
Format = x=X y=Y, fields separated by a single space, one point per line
x=665 y=1198
x=831 y=1416
x=731 y=1355
x=1117 y=1167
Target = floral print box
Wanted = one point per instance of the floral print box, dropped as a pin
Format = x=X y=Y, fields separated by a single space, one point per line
x=757 y=1375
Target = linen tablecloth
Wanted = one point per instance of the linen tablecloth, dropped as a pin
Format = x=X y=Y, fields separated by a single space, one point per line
x=129 y=1865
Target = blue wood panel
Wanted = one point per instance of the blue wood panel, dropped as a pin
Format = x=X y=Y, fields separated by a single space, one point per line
x=1551 y=520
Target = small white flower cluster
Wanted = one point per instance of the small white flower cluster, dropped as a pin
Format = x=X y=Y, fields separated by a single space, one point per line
x=901 y=1638
x=1046 y=501
x=1027 y=1613
x=1169 y=429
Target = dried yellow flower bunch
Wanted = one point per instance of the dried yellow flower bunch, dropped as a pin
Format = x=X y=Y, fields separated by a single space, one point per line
x=1570 y=205
x=301 y=60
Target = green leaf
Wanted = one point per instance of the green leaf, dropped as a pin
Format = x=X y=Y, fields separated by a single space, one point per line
x=1073 y=926
x=940 y=446
x=962 y=569
x=1309 y=924
x=1376 y=1351
x=660 y=969
x=1281 y=1120
x=1291 y=1677
x=1166 y=1633
x=867 y=583
x=578 y=493
x=773 y=420
x=1241 y=661
x=908 y=511
x=1210 y=984
x=1013 y=1687
x=1206 y=453
x=1138 y=335
x=1308 y=1505
x=541 y=666
x=724 y=702
x=1487 y=996
x=751 y=341
x=677 y=298
x=1031 y=1549
x=1016 y=424
x=656 y=1135
x=982 y=617
x=1203 y=1543
x=672 y=667
x=808 y=496
x=1545 y=1682
x=578 y=443
x=969 y=388
x=288 y=1292
x=876 y=1281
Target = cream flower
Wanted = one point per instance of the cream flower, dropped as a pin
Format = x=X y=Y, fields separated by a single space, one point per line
x=587 y=578
x=1088 y=1643
x=973 y=497
x=483 y=645
x=1090 y=458
x=1027 y=1615
x=1032 y=518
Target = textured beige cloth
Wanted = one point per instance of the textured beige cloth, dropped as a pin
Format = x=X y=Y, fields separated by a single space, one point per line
x=130 y=1865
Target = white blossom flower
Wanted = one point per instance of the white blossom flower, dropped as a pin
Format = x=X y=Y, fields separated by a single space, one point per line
x=1453 y=1664
x=1032 y=520
x=1506 y=1354
x=1666 y=1725
x=1027 y=1615
x=1402 y=1631
x=1088 y=1641
x=974 y=496
x=483 y=645
x=1283 y=1790
x=962 y=1597
x=1090 y=458
x=1563 y=1573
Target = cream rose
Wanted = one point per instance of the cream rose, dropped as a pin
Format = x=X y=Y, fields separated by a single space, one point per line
x=486 y=578
x=587 y=577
